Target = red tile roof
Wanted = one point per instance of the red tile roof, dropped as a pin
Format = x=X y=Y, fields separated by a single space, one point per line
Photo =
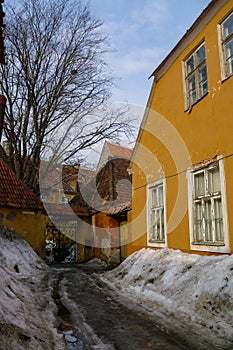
x=13 y=192
x=77 y=173
x=119 y=151
x=110 y=151
x=56 y=179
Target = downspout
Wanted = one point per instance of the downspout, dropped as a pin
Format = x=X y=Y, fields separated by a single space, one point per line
x=120 y=250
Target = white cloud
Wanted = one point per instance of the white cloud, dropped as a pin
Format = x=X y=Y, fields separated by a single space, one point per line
x=142 y=60
x=151 y=14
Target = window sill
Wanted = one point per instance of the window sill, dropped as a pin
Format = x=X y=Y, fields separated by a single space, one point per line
x=211 y=247
x=225 y=78
x=156 y=241
x=214 y=244
x=190 y=107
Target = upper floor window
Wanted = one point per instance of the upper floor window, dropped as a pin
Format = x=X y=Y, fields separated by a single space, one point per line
x=196 y=81
x=227 y=45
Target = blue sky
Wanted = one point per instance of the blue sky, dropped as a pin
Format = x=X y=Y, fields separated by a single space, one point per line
x=141 y=34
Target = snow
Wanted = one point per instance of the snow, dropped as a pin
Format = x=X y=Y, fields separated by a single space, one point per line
x=188 y=292
x=191 y=291
x=27 y=309
x=27 y=319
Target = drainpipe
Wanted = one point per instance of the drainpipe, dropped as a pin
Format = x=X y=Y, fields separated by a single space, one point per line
x=2 y=112
x=120 y=251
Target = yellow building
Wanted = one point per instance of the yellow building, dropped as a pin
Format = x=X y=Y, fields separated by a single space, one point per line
x=20 y=209
x=67 y=230
x=182 y=164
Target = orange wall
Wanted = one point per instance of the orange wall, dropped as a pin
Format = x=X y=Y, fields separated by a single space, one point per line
x=103 y=225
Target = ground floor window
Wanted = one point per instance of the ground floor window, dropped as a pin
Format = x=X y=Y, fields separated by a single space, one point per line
x=156 y=228
x=208 y=207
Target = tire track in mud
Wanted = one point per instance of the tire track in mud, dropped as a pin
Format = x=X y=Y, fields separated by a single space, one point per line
x=117 y=326
x=65 y=323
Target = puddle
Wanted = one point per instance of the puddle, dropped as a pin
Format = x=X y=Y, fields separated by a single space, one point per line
x=66 y=325
x=73 y=343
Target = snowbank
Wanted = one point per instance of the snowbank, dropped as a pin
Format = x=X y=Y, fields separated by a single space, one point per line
x=26 y=321
x=195 y=290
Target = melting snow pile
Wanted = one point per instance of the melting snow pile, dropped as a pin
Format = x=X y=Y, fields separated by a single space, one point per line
x=26 y=321
x=195 y=291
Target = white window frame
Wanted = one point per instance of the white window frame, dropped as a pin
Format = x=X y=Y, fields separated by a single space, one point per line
x=160 y=243
x=215 y=247
x=194 y=73
x=222 y=43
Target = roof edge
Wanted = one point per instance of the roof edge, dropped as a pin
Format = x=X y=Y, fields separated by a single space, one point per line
x=202 y=20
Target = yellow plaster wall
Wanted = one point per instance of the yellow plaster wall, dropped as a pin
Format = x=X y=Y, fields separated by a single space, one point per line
x=28 y=224
x=206 y=131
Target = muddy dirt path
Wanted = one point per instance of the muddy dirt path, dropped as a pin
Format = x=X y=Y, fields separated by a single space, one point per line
x=90 y=318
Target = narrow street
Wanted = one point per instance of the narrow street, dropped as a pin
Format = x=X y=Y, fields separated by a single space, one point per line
x=91 y=318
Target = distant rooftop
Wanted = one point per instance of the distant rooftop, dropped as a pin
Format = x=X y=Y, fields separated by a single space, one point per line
x=111 y=150
x=13 y=192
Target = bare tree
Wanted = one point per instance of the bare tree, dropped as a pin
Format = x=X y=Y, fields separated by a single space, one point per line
x=55 y=80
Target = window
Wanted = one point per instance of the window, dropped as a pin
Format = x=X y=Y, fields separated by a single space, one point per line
x=156 y=214
x=207 y=209
x=43 y=197
x=65 y=200
x=226 y=36
x=196 y=82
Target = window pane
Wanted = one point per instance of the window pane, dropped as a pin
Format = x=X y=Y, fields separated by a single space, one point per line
x=192 y=90
x=160 y=195
x=229 y=49
x=229 y=68
x=154 y=197
x=208 y=221
x=153 y=225
x=161 y=225
x=229 y=57
x=199 y=184
x=214 y=180
x=218 y=219
x=198 y=222
x=190 y=65
x=201 y=54
x=202 y=79
x=228 y=27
